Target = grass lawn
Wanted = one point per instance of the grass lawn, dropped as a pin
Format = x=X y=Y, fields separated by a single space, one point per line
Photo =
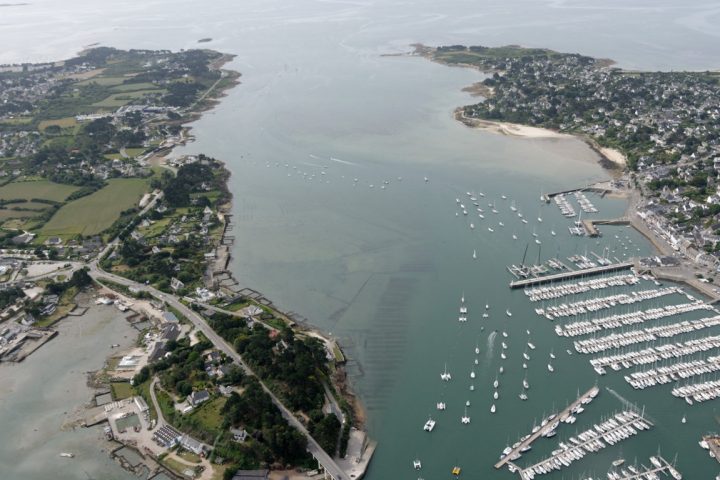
x=209 y=414
x=144 y=391
x=43 y=189
x=134 y=87
x=134 y=152
x=94 y=213
x=6 y=214
x=120 y=99
x=66 y=122
x=121 y=390
x=189 y=456
x=104 y=81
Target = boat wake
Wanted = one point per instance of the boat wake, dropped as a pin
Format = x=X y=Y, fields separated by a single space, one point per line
x=490 y=344
x=344 y=162
x=626 y=403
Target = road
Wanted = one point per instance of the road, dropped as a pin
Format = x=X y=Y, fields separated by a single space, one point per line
x=313 y=447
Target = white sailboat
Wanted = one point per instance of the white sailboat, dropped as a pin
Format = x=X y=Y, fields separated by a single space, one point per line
x=445 y=375
x=550 y=367
x=474 y=254
x=496 y=383
x=508 y=313
x=492 y=409
x=496 y=395
x=477 y=349
x=513 y=207
x=472 y=373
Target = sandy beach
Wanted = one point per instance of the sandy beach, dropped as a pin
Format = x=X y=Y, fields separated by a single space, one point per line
x=614 y=156
x=510 y=129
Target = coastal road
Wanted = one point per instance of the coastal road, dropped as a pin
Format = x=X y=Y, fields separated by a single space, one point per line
x=313 y=447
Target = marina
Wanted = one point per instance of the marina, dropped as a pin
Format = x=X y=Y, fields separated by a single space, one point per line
x=547 y=426
x=658 y=465
x=619 y=427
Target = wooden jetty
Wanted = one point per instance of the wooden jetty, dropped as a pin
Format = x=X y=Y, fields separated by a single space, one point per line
x=507 y=459
x=558 y=277
x=713 y=442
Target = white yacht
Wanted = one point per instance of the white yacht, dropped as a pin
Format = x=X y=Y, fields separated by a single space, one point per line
x=496 y=383
x=508 y=313
x=472 y=374
x=502 y=355
x=550 y=367
x=531 y=345
x=474 y=254
x=492 y=409
x=504 y=334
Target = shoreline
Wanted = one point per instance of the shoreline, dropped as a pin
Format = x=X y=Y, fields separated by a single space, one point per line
x=338 y=378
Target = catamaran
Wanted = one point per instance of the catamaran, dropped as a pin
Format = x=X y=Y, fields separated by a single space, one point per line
x=465 y=419
x=417 y=465
x=429 y=425
x=445 y=376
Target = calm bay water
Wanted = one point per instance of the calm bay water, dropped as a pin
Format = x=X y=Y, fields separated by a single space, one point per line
x=383 y=269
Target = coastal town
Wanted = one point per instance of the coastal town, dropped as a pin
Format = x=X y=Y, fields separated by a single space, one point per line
x=660 y=131
x=220 y=383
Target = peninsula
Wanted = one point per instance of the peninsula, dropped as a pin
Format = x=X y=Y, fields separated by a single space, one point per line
x=658 y=131
x=91 y=199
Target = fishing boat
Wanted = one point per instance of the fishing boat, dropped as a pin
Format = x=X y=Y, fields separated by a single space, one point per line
x=429 y=425
x=456 y=471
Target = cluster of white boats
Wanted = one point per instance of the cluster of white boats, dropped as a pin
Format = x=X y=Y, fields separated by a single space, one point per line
x=582 y=307
x=564 y=205
x=698 y=392
x=586 y=327
x=634 y=472
x=672 y=373
x=573 y=288
x=623 y=339
x=654 y=354
x=585 y=204
x=619 y=427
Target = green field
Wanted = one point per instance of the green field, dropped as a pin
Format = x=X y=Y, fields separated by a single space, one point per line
x=94 y=213
x=104 y=81
x=133 y=87
x=209 y=415
x=6 y=214
x=120 y=99
x=36 y=189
